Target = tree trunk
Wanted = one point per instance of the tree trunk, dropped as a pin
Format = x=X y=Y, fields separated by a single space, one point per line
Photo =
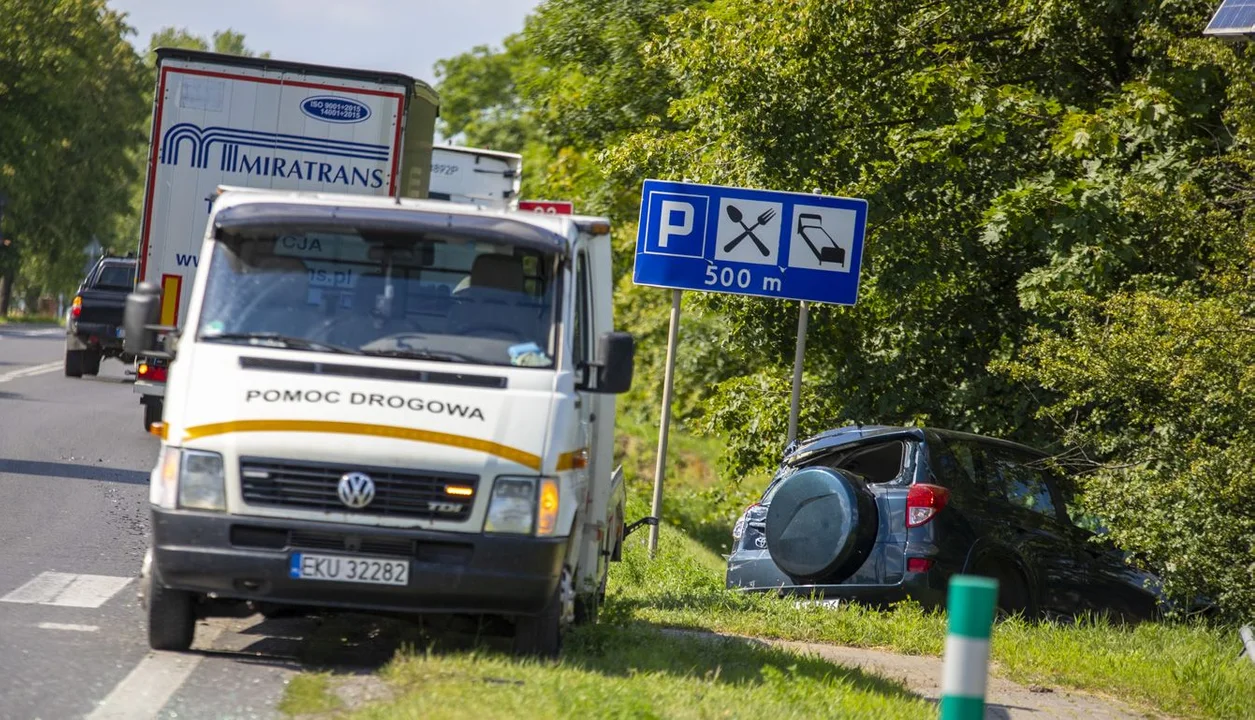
x=6 y=292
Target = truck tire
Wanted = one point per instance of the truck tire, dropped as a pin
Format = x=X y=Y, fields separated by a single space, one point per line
x=91 y=362
x=74 y=363
x=171 y=617
x=152 y=414
x=541 y=635
x=821 y=525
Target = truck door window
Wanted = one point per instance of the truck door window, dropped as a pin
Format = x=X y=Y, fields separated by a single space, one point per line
x=582 y=326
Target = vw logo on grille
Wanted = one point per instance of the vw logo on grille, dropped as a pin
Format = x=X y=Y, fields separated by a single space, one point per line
x=356 y=490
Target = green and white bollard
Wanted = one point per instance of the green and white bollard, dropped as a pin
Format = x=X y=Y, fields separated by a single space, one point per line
x=971 y=605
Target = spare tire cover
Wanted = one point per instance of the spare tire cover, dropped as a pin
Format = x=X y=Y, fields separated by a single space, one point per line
x=820 y=522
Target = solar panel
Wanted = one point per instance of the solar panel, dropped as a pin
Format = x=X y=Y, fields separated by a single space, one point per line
x=1234 y=17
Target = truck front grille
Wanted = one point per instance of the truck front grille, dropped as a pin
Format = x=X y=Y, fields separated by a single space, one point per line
x=315 y=486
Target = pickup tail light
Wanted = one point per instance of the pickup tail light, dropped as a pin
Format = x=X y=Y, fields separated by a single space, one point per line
x=151 y=373
x=76 y=307
x=923 y=502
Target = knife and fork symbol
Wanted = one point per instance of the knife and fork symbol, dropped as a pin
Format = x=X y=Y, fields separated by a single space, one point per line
x=735 y=214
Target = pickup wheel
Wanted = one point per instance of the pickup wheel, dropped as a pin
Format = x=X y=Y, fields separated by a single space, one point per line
x=171 y=617
x=74 y=363
x=91 y=362
x=541 y=635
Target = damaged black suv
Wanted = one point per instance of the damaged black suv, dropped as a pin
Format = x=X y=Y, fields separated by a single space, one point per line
x=880 y=514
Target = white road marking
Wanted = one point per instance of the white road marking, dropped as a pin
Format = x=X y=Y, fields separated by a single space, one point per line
x=68 y=626
x=146 y=690
x=68 y=590
x=30 y=371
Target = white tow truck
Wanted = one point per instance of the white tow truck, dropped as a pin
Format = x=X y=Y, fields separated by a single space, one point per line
x=389 y=405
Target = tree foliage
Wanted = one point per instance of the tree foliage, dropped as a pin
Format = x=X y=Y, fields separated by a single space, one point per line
x=71 y=94
x=1057 y=241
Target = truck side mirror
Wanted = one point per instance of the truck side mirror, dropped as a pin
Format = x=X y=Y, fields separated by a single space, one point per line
x=616 y=359
x=143 y=308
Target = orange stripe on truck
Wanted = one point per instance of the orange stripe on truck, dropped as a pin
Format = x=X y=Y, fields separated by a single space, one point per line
x=171 y=287
x=386 y=431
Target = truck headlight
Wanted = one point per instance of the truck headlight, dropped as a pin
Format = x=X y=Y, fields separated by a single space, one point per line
x=512 y=506
x=201 y=482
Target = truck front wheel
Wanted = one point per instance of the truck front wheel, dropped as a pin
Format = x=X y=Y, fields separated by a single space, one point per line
x=541 y=635
x=171 y=617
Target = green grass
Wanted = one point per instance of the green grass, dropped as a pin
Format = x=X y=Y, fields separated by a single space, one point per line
x=308 y=694
x=627 y=667
x=1182 y=669
x=14 y=318
x=635 y=672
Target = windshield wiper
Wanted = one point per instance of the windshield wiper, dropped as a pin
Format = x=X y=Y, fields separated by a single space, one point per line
x=287 y=341
x=421 y=354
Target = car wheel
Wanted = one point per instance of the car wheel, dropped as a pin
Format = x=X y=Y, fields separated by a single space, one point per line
x=171 y=617
x=541 y=635
x=821 y=525
x=1014 y=597
x=91 y=362
x=74 y=363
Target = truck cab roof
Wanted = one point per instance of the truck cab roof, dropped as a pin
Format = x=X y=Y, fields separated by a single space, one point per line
x=238 y=206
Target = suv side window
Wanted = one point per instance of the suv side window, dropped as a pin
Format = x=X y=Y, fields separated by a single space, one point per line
x=1022 y=485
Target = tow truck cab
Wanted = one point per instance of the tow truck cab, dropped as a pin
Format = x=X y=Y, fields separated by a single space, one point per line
x=401 y=406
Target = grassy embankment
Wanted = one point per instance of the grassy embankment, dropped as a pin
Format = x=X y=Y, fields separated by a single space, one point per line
x=625 y=667
x=15 y=319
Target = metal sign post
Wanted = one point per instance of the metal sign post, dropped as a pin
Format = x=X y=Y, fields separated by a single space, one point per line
x=660 y=464
x=795 y=402
x=783 y=245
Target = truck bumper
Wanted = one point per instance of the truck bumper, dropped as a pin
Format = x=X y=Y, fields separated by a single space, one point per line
x=144 y=387
x=247 y=558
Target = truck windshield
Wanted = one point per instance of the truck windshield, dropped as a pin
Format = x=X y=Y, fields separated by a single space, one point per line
x=390 y=294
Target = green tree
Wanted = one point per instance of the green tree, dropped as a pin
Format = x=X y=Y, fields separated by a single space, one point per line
x=71 y=102
x=1038 y=173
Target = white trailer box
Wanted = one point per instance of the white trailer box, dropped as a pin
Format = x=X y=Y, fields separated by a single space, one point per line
x=485 y=178
x=261 y=123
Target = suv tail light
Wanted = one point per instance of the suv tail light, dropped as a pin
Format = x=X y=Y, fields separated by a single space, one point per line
x=923 y=502
x=76 y=307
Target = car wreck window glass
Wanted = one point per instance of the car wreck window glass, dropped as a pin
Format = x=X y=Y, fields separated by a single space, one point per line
x=1022 y=485
x=877 y=464
x=438 y=297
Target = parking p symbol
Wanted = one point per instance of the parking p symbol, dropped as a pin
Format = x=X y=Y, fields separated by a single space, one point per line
x=670 y=209
x=676 y=224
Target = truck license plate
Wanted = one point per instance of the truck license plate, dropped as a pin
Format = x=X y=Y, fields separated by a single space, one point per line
x=338 y=568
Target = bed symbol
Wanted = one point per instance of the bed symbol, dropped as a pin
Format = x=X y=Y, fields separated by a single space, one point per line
x=810 y=228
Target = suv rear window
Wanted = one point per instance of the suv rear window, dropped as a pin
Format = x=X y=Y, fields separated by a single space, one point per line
x=876 y=464
x=116 y=275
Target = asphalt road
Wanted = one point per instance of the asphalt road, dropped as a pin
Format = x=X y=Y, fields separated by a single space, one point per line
x=74 y=464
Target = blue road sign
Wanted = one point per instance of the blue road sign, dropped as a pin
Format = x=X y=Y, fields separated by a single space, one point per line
x=784 y=245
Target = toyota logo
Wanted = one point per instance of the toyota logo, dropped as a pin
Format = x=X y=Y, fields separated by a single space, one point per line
x=356 y=490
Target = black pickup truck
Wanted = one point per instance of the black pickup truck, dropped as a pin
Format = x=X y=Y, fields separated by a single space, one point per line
x=93 y=330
